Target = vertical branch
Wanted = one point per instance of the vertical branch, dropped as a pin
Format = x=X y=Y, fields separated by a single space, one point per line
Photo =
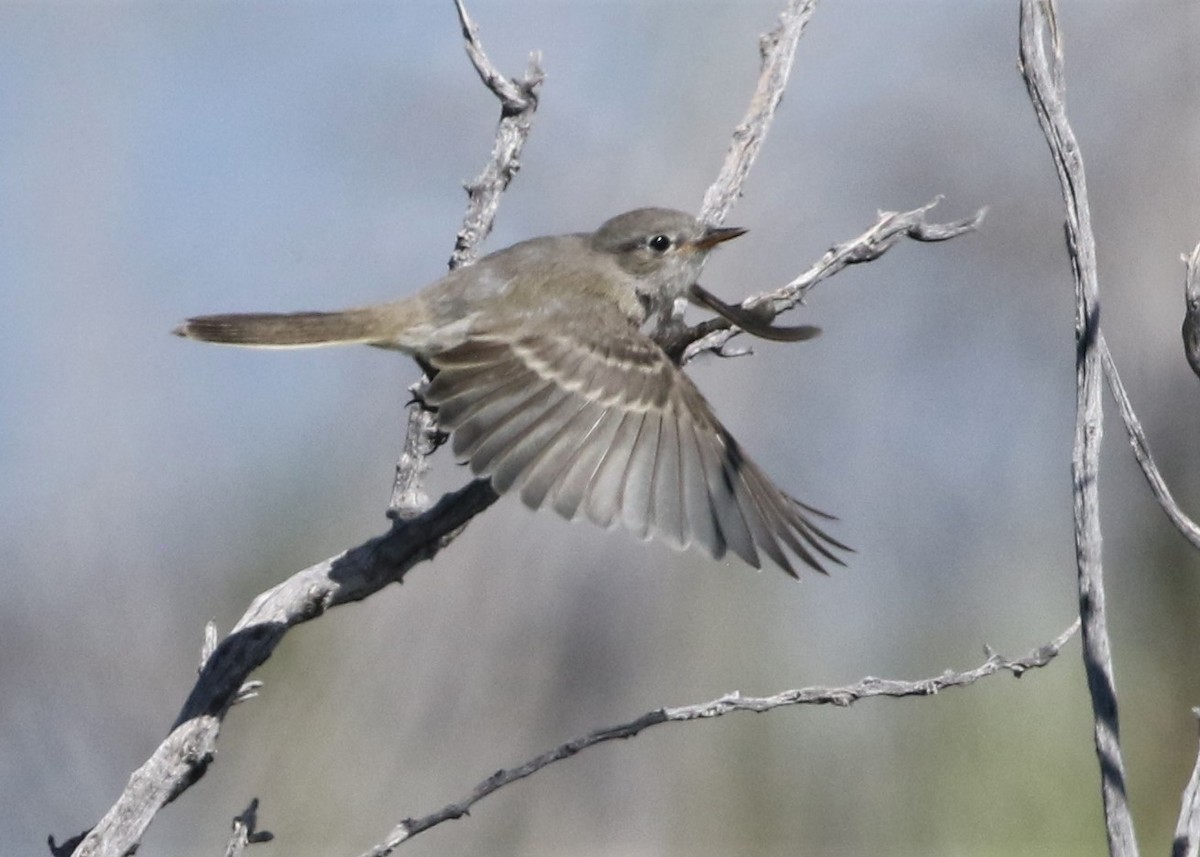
x=421 y=438
x=1187 y=829
x=518 y=99
x=778 y=50
x=1141 y=450
x=1191 y=318
x=1044 y=79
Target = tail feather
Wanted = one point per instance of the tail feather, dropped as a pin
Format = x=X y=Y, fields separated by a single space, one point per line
x=286 y=330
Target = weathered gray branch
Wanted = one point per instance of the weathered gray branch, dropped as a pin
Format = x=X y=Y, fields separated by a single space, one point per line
x=183 y=757
x=518 y=102
x=1141 y=451
x=728 y=704
x=714 y=334
x=777 y=50
x=1187 y=829
x=1191 y=318
x=1043 y=75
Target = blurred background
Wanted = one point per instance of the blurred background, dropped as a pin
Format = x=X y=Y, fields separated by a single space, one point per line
x=159 y=160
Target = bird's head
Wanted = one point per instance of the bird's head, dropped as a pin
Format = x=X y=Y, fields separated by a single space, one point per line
x=662 y=249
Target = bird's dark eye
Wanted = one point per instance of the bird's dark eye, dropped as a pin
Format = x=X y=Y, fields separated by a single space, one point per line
x=660 y=243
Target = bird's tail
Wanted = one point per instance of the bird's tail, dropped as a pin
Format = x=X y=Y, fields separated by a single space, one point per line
x=290 y=330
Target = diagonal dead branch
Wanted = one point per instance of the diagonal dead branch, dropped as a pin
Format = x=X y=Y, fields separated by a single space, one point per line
x=184 y=756
x=1133 y=427
x=890 y=227
x=777 y=50
x=1191 y=318
x=713 y=335
x=518 y=102
x=728 y=704
x=1187 y=829
x=1141 y=451
x=1044 y=79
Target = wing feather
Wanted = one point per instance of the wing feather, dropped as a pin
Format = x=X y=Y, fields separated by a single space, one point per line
x=604 y=494
x=572 y=484
x=590 y=417
x=637 y=487
x=499 y=436
x=544 y=470
x=701 y=512
x=512 y=463
x=666 y=493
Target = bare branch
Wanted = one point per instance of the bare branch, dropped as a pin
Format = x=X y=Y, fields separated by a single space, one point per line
x=1191 y=318
x=1141 y=451
x=727 y=704
x=211 y=637
x=518 y=102
x=1187 y=829
x=777 y=50
x=421 y=439
x=714 y=334
x=183 y=757
x=1044 y=80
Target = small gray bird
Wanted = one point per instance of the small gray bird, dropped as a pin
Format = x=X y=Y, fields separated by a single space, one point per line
x=549 y=387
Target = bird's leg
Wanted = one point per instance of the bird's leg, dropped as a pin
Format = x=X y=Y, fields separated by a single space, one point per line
x=435 y=437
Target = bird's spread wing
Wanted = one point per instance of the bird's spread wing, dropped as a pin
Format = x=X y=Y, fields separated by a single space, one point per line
x=587 y=421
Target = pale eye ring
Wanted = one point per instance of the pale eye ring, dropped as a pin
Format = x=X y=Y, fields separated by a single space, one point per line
x=659 y=243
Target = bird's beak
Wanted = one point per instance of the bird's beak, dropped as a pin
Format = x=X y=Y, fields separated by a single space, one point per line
x=714 y=235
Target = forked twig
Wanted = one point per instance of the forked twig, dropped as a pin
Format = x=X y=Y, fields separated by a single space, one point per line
x=713 y=335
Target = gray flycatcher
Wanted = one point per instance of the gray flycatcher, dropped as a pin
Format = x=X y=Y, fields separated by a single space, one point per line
x=549 y=386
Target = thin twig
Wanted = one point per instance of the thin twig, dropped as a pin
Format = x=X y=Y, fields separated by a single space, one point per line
x=1191 y=318
x=713 y=335
x=727 y=704
x=1187 y=829
x=1141 y=451
x=777 y=50
x=421 y=439
x=1044 y=79
x=518 y=102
